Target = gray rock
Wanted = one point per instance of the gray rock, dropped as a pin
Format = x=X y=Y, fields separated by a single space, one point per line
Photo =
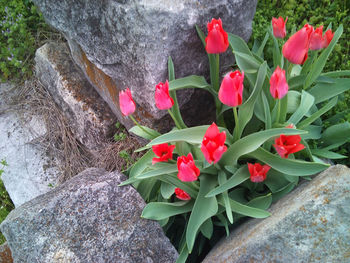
x=89 y=116
x=30 y=172
x=121 y=44
x=86 y=219
x=311 y=224
x=5 y=254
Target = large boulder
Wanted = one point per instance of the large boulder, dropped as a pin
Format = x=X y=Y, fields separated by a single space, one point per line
x=88 y=114
x=311 y=224
x=121 y=44
x=88 y=219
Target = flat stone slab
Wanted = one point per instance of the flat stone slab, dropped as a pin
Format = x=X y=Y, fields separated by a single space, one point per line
x=88 y=114
x=88 y=219
x=311 y=224
x=30 y=172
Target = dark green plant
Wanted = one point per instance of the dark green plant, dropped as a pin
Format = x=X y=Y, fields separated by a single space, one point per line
x=21 y=31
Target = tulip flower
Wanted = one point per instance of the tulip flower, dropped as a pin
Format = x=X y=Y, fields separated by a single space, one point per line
x=126 y=103
x=327 y=38
x=231 y=89
x=279 y=27
x=162 y=97
x=316 y=39
x=163 y=151
x=217 y=39
x=181 y=194
x=278 y=83
x=213 y=144
x=188 y=171
x=297 y=46
x=258 y=172
x=288 y=144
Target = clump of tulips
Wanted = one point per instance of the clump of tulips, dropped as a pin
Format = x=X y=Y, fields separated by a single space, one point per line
x=210 y=176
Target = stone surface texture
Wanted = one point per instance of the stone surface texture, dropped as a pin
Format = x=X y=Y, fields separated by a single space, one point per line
x=88 y=219
x=5 y=254
x=30 y=170
x=121 y=44
x=88 y=114
x=311 y=224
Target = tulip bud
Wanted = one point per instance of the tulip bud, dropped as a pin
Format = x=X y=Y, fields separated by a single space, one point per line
x=181 y=194
x=297 y=46
x=258 y=172
x=231 y=89
x=316 y=39
x=327 y=38
x=217 y=39
x=213 y=144
x=188 y=171
x=279 y=27
x=126 y=103
x=162 y=96
x=278 y=83
x=163 y=151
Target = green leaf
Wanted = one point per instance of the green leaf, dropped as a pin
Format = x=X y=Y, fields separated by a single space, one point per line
x=166 y=168
x=171 y=70
x=317 y=114
x=207 y=228
x=288 y=166
x=275 y=181
x=314 y=132
x=327 y=154
x=203 y=209
x=261 y=202
x=149 y=135
x=241 y=175
x=277 y=57
x=246 y=110
x=296 y=82
x=306 y=103
x=167 y=190
x=293 y=101
x=222 y=179
x=172 y=179
x=320 y=62
x=336 y=134
x=325 y=91
x=337 y=74
x=252 y=142
x=142 y=164
x=162 y=210
x=262 y=46
x=192 y=81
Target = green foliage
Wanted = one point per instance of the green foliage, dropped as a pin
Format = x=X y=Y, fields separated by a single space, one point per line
x=20 y=24
x=6 y=204
x=120 y=135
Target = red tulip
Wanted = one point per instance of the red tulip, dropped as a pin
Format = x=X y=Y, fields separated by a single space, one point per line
x=297 y=46
x=188 y=171
x=126 y=103
x=279 y=27
x=278 y=83
x=258 y=172
x=288 y=144
x=327 y=38
x=181 y=194
x=316 y=39
x=162 y=97
x=213 y=144
x=231 y=89
x=163 y=151
x=217 y=39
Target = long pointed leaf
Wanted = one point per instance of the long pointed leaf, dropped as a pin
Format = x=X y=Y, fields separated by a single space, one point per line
x=161 y=210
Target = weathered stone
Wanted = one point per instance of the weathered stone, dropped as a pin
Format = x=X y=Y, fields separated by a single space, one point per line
x=311 y=224
x=121 y=44
x=5 y=254
x=89 y=116
x=30 y=172
x=86 y=219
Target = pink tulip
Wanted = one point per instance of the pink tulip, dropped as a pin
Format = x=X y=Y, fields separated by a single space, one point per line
x=213 y=144
x=217 y=39
x=279 y=27
x=188 y=171
x=231 y=89
x=316 y=39
x=278 y=83
x=258 y=172
x=162 y=96
x=181 y=194
x=163 y=151
x=327 y=38
x=297 y=46
x=126 y=103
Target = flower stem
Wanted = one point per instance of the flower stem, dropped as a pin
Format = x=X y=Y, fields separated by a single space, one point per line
x=236 y=129
x=278 y=111
x=217 y=64
x=140 y=126
x=195 y=185
x=178 y=125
